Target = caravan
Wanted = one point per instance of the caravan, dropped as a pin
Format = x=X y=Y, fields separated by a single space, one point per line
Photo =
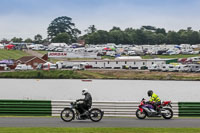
x=194 y=67
x=168 y=68
x=182 y=68
x=155 y=67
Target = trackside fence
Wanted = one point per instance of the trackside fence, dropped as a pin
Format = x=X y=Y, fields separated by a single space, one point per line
x=25 y=108
x=110 y=108
x=189 y=109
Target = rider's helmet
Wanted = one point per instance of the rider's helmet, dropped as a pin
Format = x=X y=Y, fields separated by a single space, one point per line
x=150 y=93
x=84 y=91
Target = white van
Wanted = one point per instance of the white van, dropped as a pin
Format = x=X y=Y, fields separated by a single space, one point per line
x=78 y=66
x=181 y=68
x=168 y=68
x=194 y=67
x=22 y=67
x=155 y=67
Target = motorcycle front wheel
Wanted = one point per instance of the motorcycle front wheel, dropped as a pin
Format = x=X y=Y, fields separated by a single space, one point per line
x=169 y=114
x=96 y=115
x=140 y=115
x=67 y=115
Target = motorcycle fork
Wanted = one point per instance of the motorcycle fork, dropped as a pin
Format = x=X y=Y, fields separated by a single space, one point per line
x=141 y=109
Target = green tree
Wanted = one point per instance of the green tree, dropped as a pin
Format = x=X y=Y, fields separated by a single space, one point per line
x=38 y=39
x=173 y=37
x=15 y=39
x=115 y=28
x=63 y=25
x=161 y=30
x=160 y=38
x=91 y=29
x=99 y=37
x=148 y=27
x=61 y=38
x=116 y=36
x=28 y=40
x=4 y=40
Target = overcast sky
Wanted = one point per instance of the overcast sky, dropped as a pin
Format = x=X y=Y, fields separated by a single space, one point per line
x=26 y=18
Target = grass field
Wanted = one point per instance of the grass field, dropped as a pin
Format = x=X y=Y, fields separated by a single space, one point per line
x=99 y=130
x=168 y=56
x=143 y=57
x=57 y=74
x=11 y=54
x=102 y=74
x=42 y=52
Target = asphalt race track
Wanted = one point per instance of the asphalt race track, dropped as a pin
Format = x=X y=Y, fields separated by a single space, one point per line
x=106 y=122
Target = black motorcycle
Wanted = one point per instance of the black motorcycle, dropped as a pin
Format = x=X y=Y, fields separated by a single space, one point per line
x=69 y=114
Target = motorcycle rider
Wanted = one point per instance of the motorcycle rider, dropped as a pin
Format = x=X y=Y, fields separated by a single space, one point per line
x=86 y=104
x=154 y=100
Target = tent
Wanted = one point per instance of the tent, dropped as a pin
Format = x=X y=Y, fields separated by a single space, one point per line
x=10 y=46
x=8 y=62
x=1 y=46
x=108 y=49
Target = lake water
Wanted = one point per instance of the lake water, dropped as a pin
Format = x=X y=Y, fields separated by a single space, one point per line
x=101 y=90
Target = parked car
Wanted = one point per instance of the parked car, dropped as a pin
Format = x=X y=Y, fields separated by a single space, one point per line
x=154 y=67
x=78 y=67
x=181 y=68
x=49 y=66
x=194 y=67
x=22 y=67
x=53 y=67
x=168 y=68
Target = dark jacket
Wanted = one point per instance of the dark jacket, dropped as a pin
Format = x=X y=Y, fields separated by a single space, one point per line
x=87 y=100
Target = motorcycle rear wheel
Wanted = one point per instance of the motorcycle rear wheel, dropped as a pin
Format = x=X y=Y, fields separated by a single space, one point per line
x=140 y=115
x=169 y=115
x=96 y=115
x=67 y=115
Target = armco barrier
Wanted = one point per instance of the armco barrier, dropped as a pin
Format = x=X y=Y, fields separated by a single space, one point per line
x=110 y=108
x=189 y=109
x=25 y=108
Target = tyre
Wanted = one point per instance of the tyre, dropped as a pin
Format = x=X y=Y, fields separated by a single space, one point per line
x=96 y=115
x=140 y=115
x=169 y=114
x=67 y=115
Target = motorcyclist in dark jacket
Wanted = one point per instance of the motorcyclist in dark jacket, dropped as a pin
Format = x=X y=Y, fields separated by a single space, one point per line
x=87 y=102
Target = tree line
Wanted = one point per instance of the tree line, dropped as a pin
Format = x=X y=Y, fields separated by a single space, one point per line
x=63 y=30
x=145 y=35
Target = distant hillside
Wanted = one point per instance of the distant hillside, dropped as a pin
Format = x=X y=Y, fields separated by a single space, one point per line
x=11 y=54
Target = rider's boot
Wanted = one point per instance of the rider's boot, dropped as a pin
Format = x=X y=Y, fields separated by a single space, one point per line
x=85 y=114
x=158 y=110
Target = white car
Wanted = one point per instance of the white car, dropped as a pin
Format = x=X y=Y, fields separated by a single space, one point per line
x=22 y=67
x=78 y=67
x=154 y=67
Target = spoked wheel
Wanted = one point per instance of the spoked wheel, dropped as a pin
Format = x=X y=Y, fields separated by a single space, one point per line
x=140 y=115
x=96 y=115
x=169 y=114
x=67 y=115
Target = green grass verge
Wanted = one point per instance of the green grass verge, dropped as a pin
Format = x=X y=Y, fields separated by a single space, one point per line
x=57 y=74
x=42 y=52
x=168 y=56
x=12 y=54
x=99 y=130
x=101 y=74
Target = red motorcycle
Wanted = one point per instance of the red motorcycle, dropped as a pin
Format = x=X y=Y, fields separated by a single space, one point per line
x=146 y=109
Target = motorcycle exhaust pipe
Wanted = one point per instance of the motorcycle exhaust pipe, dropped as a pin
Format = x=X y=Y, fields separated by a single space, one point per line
x=164 y=112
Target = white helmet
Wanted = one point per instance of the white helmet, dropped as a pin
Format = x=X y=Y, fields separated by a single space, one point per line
x=84 y=91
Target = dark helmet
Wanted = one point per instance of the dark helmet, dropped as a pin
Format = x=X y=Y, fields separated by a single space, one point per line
x=150 y=93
